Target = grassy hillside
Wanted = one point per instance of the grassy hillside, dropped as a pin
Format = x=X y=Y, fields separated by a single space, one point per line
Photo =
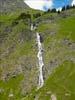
x=60 y=83
x=59 y=56
x=18 y=55
x=59 y=39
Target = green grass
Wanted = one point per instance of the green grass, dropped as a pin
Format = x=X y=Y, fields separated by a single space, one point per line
x=11 y=86
x=67 y=28
x=60 y=82
x=62 y=28
x=62 y=79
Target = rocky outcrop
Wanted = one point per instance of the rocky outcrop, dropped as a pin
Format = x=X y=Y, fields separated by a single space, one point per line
x=12 y=5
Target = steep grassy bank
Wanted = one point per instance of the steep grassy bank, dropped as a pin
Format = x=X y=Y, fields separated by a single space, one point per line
x=59 y=57
x=18 y=55
x=59 y=40
x=60 y=83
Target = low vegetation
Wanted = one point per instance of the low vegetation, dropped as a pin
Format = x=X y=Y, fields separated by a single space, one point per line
x=18 y=55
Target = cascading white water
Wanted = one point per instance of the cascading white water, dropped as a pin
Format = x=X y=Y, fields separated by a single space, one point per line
x=40 y=57
x=32 y=28
x=40 y=60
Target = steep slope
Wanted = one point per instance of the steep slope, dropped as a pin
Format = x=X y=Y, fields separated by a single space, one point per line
x=18 y=54
x=59 y=39
x=59 y=86
x=59 y=57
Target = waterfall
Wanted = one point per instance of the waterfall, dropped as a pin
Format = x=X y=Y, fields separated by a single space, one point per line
x=40 y=57
x=32 y=28
x=40 y=60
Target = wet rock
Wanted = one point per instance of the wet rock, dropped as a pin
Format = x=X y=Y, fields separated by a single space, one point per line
x=41 y=38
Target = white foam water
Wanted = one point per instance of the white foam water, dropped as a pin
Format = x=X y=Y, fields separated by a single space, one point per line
x=40 y=57
x=40 y=61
